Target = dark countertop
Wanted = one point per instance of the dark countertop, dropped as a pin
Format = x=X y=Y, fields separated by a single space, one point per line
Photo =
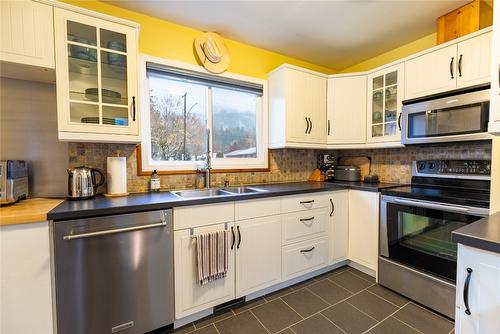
x=101 y=205
x=364 y=186
x=483 y=234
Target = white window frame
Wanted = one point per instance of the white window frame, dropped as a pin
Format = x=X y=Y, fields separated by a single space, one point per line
x=148 y=164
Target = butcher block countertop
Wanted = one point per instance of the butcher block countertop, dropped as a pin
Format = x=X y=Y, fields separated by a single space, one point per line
x=27 y=211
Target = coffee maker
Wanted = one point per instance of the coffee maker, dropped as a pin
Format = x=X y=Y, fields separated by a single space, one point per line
x=326 y=163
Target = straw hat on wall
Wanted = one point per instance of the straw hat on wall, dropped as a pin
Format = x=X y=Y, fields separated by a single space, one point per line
x=212 y=52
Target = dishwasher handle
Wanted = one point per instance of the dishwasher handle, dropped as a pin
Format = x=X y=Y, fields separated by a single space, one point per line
x=70 y=237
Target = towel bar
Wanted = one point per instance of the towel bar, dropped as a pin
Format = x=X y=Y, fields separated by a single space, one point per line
x=191 y=230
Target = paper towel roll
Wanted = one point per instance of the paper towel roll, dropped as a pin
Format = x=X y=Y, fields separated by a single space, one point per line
x=117 y=175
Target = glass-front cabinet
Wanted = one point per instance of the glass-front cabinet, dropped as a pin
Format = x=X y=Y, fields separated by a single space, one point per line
x=96 y=72
x=385 y=95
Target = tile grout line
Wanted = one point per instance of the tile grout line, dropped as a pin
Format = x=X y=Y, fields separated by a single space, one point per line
x=321 y=314
x=410 y=302
x=376 y=295
x=258 y=320
x=362 y=311
x=359 y=276
x=390 y=315
x=431 y=312
x=214 y=322
x=292 y=308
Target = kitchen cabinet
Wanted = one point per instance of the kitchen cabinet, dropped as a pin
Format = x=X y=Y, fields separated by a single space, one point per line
x=258 y=254
x=456 y=65
x=96 y=73
x=339 y=226
x=303 y=257
x=27 y=34
x=346 y=109
x=363 y=227
x=483 y=292
x=297 y=105
x=190 y=296
x=385 y=97
x=494 y=125
x=25 y=279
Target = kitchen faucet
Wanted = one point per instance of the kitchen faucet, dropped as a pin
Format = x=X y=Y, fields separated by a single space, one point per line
x=208 y=164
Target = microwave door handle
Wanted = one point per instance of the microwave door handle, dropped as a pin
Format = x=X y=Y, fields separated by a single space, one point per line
x=435 y=206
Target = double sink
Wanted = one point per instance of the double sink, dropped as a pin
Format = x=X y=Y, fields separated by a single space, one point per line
x=206 y=193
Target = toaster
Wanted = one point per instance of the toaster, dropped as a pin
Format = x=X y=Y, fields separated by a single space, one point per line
x=13 y=181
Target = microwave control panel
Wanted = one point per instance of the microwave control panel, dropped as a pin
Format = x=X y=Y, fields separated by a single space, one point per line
x=446 y=167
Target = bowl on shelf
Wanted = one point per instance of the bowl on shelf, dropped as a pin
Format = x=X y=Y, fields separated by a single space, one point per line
x=108 y=96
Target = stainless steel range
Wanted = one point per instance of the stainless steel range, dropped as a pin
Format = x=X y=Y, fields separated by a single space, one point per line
x=417 y=257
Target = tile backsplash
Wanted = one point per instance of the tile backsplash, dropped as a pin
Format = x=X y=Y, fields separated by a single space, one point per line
x=286 y=165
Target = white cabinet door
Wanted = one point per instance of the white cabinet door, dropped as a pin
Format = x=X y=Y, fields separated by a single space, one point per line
x=494 y=126
x=25 y=279
x=385 y=97
x=483 y=291
x=339 y=226
x=474 y=56
x=305 y=107
x=363 y=227
x=298 y=226
x=346 y=104
x=27 y=33
x=431 y=73
x=190 y=296
x=301 y=258
x=258 y=254
x=96 y=77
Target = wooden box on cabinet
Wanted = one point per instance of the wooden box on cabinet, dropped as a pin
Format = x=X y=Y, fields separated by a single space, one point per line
x=96 y=73
x=297 y=107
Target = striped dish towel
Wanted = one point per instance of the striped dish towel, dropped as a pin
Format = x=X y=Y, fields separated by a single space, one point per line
x=212 y=252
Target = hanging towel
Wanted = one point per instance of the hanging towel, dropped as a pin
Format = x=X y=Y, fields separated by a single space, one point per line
x=212 y=252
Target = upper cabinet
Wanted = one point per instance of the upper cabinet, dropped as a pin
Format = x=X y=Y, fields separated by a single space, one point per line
x=27 y=35
x=494 y=126
x=457 y=65
x=346 y=109
x=297 y=102
x=385 y=96
x=96 y=73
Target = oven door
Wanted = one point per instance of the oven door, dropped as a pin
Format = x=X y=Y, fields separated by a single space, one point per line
x=417 y=233
x=454 y=118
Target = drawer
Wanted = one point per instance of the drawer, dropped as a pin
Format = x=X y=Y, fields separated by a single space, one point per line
x=298 y=226
x=202 y=215
x=303 y=257
x=255 y=208
x=304 y=202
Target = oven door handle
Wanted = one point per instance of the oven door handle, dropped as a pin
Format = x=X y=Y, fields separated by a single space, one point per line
x=427 y=205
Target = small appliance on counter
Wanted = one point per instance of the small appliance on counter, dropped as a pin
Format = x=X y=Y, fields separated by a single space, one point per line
x=82 y=182
x=13 y=181
x=347 y=173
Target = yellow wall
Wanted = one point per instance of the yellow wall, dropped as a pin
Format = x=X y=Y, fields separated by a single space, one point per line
x=495 y=176
x=394 y=54
x=173 y=41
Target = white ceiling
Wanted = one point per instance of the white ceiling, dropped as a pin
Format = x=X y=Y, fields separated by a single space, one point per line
x=335 y=34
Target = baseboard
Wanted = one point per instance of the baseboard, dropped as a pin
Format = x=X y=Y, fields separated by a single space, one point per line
x=363 y=268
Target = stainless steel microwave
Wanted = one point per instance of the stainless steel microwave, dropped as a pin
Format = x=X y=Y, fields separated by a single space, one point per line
x=460 y=115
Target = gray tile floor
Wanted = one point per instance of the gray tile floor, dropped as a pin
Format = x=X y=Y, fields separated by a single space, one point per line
x=342 y=301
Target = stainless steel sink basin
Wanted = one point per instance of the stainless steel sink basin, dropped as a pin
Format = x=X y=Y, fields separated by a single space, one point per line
x=243 y=190
x=200 y=193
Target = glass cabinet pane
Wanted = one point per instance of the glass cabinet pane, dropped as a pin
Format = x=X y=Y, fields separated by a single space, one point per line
x=114 y=115
x=113 y=40
x=377 y=130
x=81 y=33
x=82 y=67
x=378 y=82
x=377 y=106
x=390 y=129
x=84 y=113
x=114 y=78
x=391 y=98
x=391 y=78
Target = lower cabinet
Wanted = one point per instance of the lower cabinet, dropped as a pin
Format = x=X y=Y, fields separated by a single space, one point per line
x=303 y=257
x=339 y=226
x=190 y=296
x=258 y=254
x=481 y=269
x=363 y=227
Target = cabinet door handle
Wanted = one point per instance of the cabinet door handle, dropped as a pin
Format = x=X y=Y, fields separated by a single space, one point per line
x=451 y=67
x=311 y=125
x=233 y=237
x=307 y=202
x=133 y=108
x=332 y=206
x=399 y=122
x=466 y=291
x=239 y=237
x=306 y=219
x=307 y=250
x=307 y=125
x=460 y=66
x=328 y=127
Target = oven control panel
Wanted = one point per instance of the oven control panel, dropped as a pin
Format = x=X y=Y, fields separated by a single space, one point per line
x=460 y=167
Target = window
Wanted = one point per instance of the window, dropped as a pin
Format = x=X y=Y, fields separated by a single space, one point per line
x=191 y=111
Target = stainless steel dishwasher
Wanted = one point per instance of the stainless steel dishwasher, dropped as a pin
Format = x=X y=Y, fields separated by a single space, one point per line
x=114 y=274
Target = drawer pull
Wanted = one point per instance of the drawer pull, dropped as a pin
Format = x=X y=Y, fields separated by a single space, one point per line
x=306 y=219
x=307 y=250
x=307 y=202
